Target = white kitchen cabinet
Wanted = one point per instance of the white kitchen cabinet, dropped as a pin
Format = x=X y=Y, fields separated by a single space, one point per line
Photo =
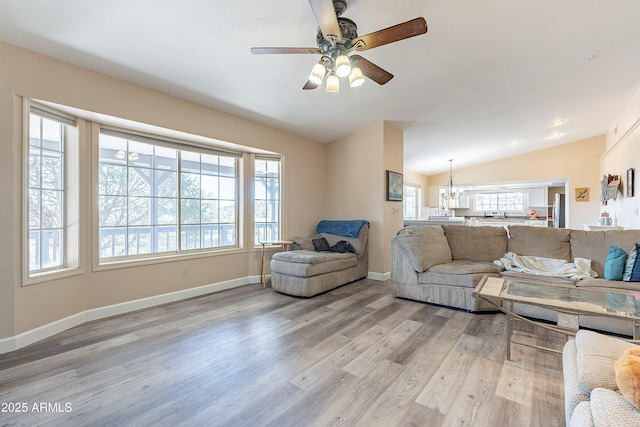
x=538 y=197
x=462 y=202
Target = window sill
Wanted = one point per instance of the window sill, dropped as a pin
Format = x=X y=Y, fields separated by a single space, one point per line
x=49 y=276
x=126 y=263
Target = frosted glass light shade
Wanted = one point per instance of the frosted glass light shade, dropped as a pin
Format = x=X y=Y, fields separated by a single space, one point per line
x=317 y=74
x=356 y=78
x=333 y=83
x=343 y=66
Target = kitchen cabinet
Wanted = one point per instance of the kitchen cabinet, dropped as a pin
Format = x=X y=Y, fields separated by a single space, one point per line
x=462 y=202
x=538 y=197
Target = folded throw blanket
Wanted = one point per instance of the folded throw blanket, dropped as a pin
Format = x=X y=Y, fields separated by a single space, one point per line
x=577 y=270
x=348 y=228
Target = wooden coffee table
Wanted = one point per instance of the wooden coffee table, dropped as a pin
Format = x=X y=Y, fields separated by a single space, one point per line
x=569 y=302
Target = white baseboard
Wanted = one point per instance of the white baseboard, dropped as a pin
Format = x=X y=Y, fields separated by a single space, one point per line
x=139 y=304
x=29 y=337
x=382 y=277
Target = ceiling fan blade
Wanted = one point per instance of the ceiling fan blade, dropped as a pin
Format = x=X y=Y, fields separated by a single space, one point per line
x=408 y=29
x=309 y=85
x=272 y=50
x=327 y=20
x=371 y=70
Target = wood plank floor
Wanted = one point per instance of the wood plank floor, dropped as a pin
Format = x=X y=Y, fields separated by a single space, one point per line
x=253 y=357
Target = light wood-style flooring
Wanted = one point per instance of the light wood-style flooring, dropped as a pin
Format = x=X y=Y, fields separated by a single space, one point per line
x=253 y=357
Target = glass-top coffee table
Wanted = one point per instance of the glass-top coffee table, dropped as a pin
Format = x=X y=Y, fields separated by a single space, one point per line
x=569 y=302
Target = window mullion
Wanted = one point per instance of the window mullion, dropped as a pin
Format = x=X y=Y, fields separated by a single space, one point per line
x=179 y=207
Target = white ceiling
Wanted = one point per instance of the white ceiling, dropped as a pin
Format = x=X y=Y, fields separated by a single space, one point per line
x=487 y=73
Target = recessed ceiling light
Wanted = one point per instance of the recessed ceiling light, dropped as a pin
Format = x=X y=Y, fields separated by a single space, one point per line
x=556 y=135
x=557 y=122
x=515 y=142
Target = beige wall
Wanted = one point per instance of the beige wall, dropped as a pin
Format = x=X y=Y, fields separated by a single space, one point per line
x=32 y=75
x=356 y=180
x=623 y=152
x=578 y=162
x=393 y=161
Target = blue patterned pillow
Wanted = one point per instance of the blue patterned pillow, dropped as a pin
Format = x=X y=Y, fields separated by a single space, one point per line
x=632 y=267
x=614 y=265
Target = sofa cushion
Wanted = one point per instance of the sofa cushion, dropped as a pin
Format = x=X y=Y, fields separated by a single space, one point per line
x=307 y=263
x=424 y=246
x=303 y=243
x=596 y=355
x=466 y=274
x=359 y=243
x=459 y=267
x=609 y=408
x=483 y=244
x=631 y=271
x=614 y=263
x=608 y=285
x=537 y=278
x=594 y=245
x=540 y=241
x=469 y=281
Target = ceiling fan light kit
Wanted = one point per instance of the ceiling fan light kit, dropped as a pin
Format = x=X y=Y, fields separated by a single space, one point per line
x=356 y=78
x=343 y=66
x=337 y=37
x=333 y=83
x=317 y=73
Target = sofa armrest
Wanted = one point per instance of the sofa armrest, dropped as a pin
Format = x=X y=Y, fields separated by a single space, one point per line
x=401 y=270
x=611 y=408
x=302 y=243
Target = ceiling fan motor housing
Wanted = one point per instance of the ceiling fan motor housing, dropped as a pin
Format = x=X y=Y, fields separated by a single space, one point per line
x=348 y=32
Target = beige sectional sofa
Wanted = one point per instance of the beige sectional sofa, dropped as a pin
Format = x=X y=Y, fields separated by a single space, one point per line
x=443 y=264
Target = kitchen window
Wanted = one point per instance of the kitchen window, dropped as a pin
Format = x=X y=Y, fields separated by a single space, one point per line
x=510 y=202
x=411 y=201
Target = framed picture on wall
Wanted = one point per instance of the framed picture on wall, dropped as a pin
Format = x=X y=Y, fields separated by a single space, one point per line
x=394 y=186
x=630 y=182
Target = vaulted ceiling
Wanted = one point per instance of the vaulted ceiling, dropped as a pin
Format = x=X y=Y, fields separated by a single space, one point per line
x=485 y=82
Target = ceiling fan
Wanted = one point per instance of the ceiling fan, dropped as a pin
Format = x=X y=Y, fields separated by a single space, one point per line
x=338 y=37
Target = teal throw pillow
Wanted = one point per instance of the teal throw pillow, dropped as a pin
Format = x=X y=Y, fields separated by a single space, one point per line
x=615 y=263
x=632 y=266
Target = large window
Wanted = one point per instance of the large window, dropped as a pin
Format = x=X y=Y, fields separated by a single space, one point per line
x=267 y=199
x=411 y=202
x=508 y=202
x=51 y=206
x=157 y=197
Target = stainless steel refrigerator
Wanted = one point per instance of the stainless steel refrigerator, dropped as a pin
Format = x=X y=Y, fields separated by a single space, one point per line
x=558 y=211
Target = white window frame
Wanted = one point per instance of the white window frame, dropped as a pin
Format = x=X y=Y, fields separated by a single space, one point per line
x=72 y=187
x=406 y=199
x=186 y=146
x=279 y=202
x=478 y=210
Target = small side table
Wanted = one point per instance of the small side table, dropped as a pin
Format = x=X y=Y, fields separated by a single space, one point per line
x=285 y=244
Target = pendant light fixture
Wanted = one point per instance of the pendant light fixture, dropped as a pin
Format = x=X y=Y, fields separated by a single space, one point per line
x=450 y=192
